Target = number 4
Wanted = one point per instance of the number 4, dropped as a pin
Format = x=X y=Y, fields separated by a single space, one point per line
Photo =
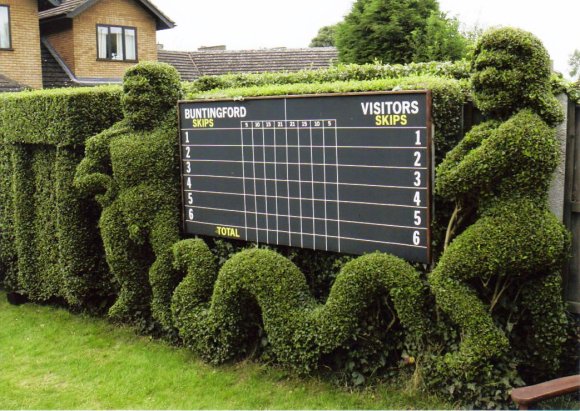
x=417 y=198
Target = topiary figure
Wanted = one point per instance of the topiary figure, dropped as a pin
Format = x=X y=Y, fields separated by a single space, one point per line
x=215 y=312
x=132 y=169
x=504 y=166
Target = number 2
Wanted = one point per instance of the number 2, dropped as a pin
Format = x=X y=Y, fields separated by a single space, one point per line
x=417 y=159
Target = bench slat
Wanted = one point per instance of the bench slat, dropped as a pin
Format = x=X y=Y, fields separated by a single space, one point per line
x=524 y=396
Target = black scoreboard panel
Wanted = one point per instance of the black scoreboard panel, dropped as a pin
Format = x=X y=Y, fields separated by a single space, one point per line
x=346 y=173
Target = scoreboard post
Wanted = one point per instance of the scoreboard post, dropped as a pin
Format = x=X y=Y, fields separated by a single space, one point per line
x=349 y=173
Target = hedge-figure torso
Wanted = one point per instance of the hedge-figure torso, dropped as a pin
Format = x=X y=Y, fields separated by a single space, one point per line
x=132 y=169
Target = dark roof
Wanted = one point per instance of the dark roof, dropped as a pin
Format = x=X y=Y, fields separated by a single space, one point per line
x=7 y=84
x=53 y=75
x=193 y=64
x=56 y=73
x=72 y=8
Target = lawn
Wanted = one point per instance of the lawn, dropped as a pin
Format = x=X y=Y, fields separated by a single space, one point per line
x=52 y=359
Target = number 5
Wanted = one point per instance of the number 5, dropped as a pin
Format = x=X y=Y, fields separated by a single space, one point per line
x=417 y=217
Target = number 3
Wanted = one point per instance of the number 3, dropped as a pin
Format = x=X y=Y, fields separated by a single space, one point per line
x=417 y=181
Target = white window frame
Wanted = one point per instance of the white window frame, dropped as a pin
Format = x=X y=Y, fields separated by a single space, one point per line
x=106 y=52
x=7 y=46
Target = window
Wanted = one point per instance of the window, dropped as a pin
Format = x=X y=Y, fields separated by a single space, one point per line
x=116 y=43
x=5 y=41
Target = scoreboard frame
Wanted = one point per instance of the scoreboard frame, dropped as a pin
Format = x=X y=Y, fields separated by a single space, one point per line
x=428 y=126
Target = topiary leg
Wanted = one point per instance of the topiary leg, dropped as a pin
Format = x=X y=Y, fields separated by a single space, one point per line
x=542 y=297
x=190 y=301
x=162 y=276
x=474 y=254
x=125 y=259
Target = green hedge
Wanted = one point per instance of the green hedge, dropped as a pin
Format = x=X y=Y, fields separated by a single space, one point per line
x=516 y=248
x=343 y=312
x=132 y=169
x=49 y=246
x=452 y=70
x=217 y=314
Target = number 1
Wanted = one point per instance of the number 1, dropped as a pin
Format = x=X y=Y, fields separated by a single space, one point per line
x=418 y=142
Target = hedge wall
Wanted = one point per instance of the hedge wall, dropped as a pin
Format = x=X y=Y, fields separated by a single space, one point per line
x=51 y=247
x=49 y=242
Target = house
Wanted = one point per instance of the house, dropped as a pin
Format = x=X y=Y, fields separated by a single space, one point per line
x=57 y=43
x=75 y=42
x=19 y=45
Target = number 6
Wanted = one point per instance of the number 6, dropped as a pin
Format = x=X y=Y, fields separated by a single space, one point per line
x=416 y=238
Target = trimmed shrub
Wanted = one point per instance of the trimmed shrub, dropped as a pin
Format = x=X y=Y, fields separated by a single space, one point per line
x=345 y=72
x=219 y=321
x=516 y=248
x=132 y=170
x=48 y=247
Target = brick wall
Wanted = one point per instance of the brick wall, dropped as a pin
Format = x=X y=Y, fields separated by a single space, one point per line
x=63 y=43
x=111 y=12
x=22 y=64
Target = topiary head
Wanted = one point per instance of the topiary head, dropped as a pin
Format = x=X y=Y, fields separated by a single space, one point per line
x=510 y=71
x=150 y=90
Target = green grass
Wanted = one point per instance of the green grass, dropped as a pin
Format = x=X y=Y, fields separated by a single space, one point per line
x=52 y=359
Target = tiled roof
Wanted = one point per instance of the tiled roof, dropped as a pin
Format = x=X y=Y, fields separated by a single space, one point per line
x=66 y=7
x=7 y=84
x=71 y=8
x=53 y=75
x=192 y=65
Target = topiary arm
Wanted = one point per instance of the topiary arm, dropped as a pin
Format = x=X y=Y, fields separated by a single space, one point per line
x=471 y=140
x=93 y=175
x=471 y=170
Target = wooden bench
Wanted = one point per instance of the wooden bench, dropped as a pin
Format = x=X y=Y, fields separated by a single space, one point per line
x=525 y=397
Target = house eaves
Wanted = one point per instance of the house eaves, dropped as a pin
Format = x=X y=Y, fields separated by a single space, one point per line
x=72 y=8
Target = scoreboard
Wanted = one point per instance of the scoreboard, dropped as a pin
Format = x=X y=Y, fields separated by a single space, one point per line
x=349 y=173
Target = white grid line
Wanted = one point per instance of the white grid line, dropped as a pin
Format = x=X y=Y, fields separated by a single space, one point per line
x=244 y=180
x=325 y=200
x=309 y=218
x=306 y=164
x=332 y=236
x=316 y=182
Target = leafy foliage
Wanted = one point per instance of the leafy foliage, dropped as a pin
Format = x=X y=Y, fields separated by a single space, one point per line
x=574 y=63
x=499 y=315
x=516 y=246
x=132 y=170
x=47 y=231
x=326 y=37
x=441 y=40
x=398 y=31
x=216 y=314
